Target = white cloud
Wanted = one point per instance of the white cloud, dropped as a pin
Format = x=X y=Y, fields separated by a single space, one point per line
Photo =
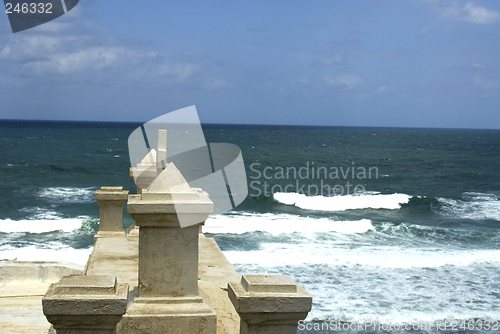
x=384 y=89
x=216 y=84
x=181 y=70
x=4 y=54
x=485 y=83
x=301 y=81
x=347 y=81
x=33 y=47
x=68 y=51
x=53 y=26
x=78 y=61
x=471 y=13
x=424 y=31
x=329 y=61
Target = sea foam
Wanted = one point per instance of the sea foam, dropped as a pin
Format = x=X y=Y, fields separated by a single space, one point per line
x=52 y=251
x=67 y=194
x=475 y=206
x=274 y=254
x=282 y=223
x=342 y=203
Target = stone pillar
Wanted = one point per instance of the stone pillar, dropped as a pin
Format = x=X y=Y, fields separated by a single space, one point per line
x=143 y=174
x=269 y=304
x=169 y=214
x=111 y=201
x=147 y=170
x=85 y=304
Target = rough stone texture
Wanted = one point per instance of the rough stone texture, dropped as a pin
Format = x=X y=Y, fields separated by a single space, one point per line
x=169 y=315
x=274 y=308
x=85 y=304
x=111 y=201
x=86 y=285
x=172 y=270
x=22 y=286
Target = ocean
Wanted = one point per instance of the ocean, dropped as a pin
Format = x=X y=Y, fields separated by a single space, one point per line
x=387 y=226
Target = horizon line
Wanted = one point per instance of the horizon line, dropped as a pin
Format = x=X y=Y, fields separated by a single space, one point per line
x=258 y=124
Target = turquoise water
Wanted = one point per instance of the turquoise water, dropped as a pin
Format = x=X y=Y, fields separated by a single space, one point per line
x=417 y=242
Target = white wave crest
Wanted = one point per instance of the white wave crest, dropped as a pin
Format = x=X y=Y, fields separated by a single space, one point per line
x=282 y=223
x=53 y=251
x=68 y=194
x=342 y=203
x=36 y=213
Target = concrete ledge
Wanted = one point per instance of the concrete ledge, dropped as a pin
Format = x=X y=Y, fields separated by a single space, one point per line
x=22 y=286
x=49 y=272
x=269 y=303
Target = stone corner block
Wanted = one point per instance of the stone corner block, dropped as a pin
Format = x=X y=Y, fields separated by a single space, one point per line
x=81 y=303
x=268 y=293
x=269 y=303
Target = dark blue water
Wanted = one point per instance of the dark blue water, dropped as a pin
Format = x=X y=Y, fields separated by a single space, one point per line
x=418 y=241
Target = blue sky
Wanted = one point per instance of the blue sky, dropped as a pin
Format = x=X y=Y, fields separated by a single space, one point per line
x=310 y=62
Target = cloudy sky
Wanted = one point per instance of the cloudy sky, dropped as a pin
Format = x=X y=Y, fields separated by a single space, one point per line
x=308 y=62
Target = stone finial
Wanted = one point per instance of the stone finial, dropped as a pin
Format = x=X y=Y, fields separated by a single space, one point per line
x=149 y=159
x=171 y=181
x=170 y=200
x=85 y=304
x=111 y=201
x=269 y=303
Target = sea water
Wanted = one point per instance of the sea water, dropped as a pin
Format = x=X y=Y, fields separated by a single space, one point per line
x=379 y=225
